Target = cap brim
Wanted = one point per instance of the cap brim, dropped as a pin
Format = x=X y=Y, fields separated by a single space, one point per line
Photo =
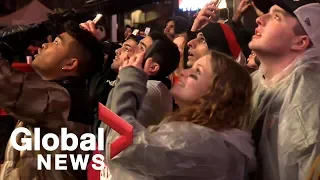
x=263 y=5
x=288 y=5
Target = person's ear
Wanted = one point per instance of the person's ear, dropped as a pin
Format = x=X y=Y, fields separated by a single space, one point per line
x=300 y=43
x=151 y=67
x=70 y=64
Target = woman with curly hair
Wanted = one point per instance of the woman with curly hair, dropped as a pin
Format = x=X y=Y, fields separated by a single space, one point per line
x=205 y=140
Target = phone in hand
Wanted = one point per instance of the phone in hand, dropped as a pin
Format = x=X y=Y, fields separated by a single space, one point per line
x=218 y=3
x=97 y=18
x=147 y=31
x=135 y=32
x=217 y=12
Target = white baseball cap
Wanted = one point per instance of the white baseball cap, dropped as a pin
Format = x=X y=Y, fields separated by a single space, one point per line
x=308 y=16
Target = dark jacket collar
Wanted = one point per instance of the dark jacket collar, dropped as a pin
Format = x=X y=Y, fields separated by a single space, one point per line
x=81 y=107
x=74 y=81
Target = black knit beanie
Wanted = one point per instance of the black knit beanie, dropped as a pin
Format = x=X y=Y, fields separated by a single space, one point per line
x=220 y=37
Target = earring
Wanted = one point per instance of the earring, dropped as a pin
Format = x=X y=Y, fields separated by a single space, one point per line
x=62 y=68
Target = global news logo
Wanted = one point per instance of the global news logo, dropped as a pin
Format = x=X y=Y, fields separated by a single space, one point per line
x=87 y=142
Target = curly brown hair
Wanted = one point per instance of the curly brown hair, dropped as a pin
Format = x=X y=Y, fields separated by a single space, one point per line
x=228 y=102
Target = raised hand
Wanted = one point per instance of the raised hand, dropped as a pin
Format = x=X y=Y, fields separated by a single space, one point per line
x=243 y=6
x=241 y=9
x=91 y=27
x=258 y=12
x=206 y=15
x=137 y=61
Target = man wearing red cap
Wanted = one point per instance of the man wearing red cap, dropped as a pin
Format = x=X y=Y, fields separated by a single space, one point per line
x=286 y=116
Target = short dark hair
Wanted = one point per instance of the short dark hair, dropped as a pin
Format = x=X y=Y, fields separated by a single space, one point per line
x=156 y=35
x=88 y=50
x=132 y=37
x=127 y=26
x=164 y=52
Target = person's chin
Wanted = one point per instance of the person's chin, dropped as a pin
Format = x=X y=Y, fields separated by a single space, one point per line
x=115 y=67
x=252 y=44
x=35 y=61
x=176 y=91
x=173 y=90
x=175 y=95
x=36 y=66
x=191 y=61
x=178 y=97
x=32 y=64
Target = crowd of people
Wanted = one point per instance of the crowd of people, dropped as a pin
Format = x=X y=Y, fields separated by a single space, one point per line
x=207 y=99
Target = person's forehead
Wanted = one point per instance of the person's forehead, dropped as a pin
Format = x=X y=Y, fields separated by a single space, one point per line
x=147 y=41
x=200 y=34
x=278 y=9
x=171 y=22
x=67 y=38
x=130 y=43
x=288 y=19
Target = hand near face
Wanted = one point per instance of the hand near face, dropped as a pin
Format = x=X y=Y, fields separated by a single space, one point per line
x=258 y=12
x=91 y=27
x=137 y=61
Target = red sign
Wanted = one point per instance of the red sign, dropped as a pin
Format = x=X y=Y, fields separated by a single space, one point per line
x=119 y=125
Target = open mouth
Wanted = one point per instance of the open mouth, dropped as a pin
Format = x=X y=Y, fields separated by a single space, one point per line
x=257 y=34
x=190 y=54
x=38 y=52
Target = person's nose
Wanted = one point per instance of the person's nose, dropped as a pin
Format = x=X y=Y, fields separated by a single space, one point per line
x=118 y=51
x=261 y=20
x=44 y=46
x=185 y=73
x=166 y=29
x=191 y=43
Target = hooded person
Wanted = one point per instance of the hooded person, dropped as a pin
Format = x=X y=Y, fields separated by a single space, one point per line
x=175 y=26
x=214 y=36
x=286 y=102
